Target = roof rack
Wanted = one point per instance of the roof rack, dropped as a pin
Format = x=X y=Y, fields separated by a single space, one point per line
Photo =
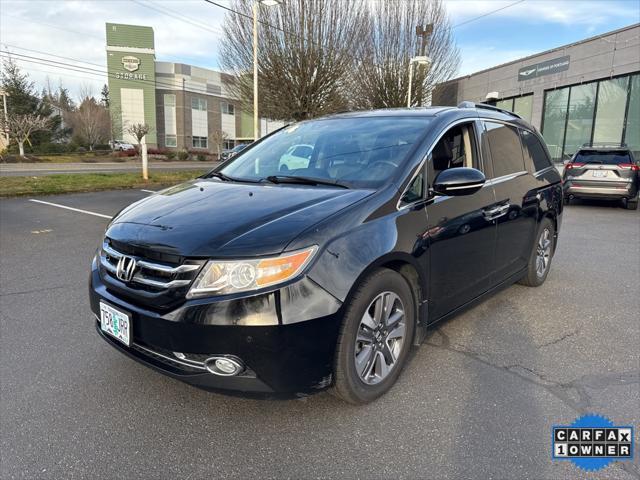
x=605 y=145
x=486 y=106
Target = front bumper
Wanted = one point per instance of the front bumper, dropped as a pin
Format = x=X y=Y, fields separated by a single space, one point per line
x=286 y=338
x=600 y=190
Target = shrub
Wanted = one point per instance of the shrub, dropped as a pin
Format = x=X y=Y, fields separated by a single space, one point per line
x=201 y=157
x=171 y=155
x=183 y=155
x=126 y=153
x=81 y=149
x=157 y=151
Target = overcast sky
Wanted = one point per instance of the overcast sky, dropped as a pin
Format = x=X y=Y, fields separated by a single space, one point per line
x=75 y=29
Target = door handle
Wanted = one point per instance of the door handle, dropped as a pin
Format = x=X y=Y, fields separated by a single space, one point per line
x=496 y=212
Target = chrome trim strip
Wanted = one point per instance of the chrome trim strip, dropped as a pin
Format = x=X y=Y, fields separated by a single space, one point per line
x=153 y=266
x=462 y=187
x=164 y=269
x=504 y=178
x=186 y=363
x=137 y=278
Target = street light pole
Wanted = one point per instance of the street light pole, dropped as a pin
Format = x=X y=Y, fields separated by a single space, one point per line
x=422 y=60
x=256 y=121
x=410 y=82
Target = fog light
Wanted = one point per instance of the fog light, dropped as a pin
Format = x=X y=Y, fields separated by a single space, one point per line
x=224 y=366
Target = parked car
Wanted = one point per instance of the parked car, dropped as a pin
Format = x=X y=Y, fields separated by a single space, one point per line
x=119 y=145
x=227 y=154
x=297 y=156
x=605 y=171
x=255 y=280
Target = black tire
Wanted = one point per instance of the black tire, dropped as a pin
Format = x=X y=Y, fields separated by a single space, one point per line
x=348 y=384
x=567 y=200
x=632 y=204
x=533 y=278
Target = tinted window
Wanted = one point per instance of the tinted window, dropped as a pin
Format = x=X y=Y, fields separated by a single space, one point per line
x=358 y=152
x=506 y=151
x=534 y=149
x=454 y=149
x=604 y=158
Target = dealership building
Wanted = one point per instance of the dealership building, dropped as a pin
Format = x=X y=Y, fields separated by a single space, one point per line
x=585 y=92
x=187 y=107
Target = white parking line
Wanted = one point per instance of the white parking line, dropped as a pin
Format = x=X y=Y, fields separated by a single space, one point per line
x=148 y=191
x=71 y=208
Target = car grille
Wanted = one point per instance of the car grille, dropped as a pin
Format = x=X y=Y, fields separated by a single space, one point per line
x=153 y=283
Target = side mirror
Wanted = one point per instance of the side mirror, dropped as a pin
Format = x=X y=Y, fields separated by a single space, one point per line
x=458 y=181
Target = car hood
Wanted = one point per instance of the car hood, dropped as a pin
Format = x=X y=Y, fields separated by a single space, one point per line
x=211 y=218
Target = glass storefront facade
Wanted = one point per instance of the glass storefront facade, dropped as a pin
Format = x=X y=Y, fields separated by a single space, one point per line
x=603 y=111
x=522 y=105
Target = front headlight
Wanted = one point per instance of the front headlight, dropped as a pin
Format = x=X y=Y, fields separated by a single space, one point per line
x=222 y=277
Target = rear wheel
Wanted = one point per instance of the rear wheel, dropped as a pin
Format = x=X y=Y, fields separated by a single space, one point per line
x=632 y=204
x=375 y=337
x=541 y=255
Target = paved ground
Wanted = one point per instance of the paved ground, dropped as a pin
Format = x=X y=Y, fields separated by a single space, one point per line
x=477 y=401
x=37 y=169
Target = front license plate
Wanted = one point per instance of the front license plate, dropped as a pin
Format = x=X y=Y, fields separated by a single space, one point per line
x=115 y=323
x=599 y=173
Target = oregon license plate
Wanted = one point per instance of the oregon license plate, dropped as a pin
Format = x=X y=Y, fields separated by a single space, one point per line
x=115 y=323
x=599 y=173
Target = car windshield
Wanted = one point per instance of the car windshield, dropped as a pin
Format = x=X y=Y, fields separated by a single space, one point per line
x=358 y=152
x=237 y=148
x=603 y=158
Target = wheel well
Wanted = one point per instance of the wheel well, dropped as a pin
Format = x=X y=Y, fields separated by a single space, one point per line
x=411 y=275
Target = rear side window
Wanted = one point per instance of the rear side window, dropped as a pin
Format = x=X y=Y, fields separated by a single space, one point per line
x=534 y=149
x=603 y=158
x=506 y=151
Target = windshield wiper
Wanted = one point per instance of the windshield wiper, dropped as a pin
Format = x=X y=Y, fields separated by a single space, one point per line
x=303 y=180
x=226 y=178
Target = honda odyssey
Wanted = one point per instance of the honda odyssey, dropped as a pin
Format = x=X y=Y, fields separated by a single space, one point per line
x=259 y=278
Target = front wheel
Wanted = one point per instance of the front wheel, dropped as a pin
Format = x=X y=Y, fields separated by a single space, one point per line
x=375 y=337
x=541 y=255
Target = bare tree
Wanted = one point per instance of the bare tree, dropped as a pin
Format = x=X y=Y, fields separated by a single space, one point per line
x=218 y=138
x=382 y=76
x=21 y=126
x=303 y=64
x=90 y=121
x=138 y=131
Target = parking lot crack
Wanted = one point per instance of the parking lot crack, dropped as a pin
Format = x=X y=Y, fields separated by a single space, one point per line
x=35 y=290
x=559 y=339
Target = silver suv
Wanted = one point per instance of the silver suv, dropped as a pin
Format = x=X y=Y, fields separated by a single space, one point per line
x=603 y=171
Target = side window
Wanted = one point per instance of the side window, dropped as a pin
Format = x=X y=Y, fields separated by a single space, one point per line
x=534 y=149
x=415 y=191
x=456 y=148
x=506 y=150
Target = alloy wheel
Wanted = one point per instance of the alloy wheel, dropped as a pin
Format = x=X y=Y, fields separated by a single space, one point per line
x=380 y=338
x=543 y=252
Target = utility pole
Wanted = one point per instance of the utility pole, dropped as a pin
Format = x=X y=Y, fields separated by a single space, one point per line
x=6 y=115
x=424 y=33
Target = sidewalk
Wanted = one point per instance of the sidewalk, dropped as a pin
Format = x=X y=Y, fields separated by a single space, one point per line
x=36 y=169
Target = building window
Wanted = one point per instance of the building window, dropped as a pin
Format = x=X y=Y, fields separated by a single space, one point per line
x=554 y=119
x=199 y=142
x=198 y=104
x=170 y=141
x=612 y=100
x=632 y=128
x=522 y=106
x=169 y=100
x=582 y=101
x=604 y=111
x=228 y=144
x=227 y=108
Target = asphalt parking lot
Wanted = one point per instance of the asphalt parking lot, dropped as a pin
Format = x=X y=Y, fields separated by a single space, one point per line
x=476 y=401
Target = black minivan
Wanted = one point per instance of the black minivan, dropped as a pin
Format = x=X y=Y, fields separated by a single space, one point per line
x=258 y=277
